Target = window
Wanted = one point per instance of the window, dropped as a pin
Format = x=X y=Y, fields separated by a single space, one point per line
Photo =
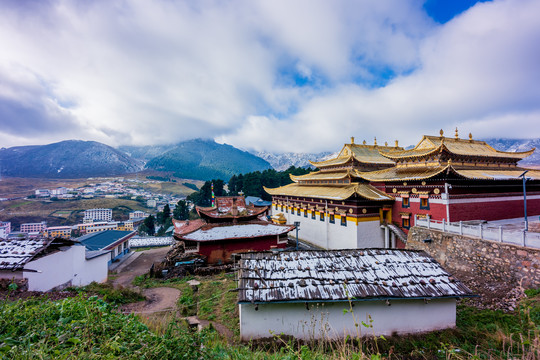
x=405 y=202
x=298 y=211
x=305 y=212
x=405 y=223
x=322 y=216
x=281 y=207
x=313 y=214
x=343 y=220
x=424 y=203
x=331 y=218
x=287 y=209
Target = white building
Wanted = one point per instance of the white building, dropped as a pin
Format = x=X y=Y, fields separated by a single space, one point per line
x=151 y=203
x=137 y=215
x=97 y=215
x=42 y=193
x=43 y=265
x=5 y=229
x=59 y=191
x=329 y=294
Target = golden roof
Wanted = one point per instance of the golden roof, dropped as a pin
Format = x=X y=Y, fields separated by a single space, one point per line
x=433 y=144
x=402 y=173
x=368 y=154
x=330 y=192
x=318 y=175
x=497 y=174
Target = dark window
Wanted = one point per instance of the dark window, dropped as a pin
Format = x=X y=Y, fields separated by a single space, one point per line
x=298 y=211
x=343 y=220
x=424 y=203
x=405 y=202
x=332 y=219
x=322 y=216
x=313 y=214
x=305 y=212
x=405 y=223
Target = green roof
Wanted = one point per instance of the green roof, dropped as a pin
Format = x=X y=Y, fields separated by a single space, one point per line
x=103 y=239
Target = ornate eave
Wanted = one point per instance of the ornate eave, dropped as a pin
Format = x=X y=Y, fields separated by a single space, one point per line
x=403 y=174
x=343 y=192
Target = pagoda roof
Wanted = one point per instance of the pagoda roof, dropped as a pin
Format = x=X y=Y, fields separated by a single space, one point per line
x=318 y=175
x=434 y=144
x=224 y=209
x=332 y=192
x=403 y=173
x=426 y=172
x=368 y=154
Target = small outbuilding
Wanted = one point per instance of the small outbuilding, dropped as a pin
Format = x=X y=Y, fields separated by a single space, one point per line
x=114 y=241
x=331 y=294
x=39 y=264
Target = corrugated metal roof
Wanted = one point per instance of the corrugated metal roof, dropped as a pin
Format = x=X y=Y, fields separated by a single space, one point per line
x=103 y=239
x=219 y=232
x=339 y=275
x=331 y=192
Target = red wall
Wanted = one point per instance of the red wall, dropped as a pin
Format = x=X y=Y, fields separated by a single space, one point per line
x=221 y=251
x=493 y=210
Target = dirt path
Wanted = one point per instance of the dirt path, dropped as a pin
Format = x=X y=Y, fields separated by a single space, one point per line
x=157 y=299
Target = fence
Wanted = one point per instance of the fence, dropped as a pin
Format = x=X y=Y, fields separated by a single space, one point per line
x=135 y=242
x=521 y=238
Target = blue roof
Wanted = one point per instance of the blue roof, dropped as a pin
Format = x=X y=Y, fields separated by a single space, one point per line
x=257 y=201
x=101 y=240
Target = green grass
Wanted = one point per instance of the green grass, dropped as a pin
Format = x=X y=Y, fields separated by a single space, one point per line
x=110 y=294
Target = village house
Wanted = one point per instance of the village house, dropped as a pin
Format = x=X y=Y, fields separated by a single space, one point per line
x=230 y=227
x=33 y=228
x=330 y=294
x=5 y=229
x=369 y=195
x=114 y=241
x=91 y=215
x=40 y=264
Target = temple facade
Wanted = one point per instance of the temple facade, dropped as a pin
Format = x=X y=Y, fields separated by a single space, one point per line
x=376 y=192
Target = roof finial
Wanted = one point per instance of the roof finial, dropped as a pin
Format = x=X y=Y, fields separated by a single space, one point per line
x=352 y=140
x=364 y=142
x=397 y=143
x=470 y=137
x=441 y=132
x=457 y=135
x=386 y=143
x=375 y=141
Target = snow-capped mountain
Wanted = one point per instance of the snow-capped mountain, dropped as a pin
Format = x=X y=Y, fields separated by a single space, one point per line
x=284 y=161
x=518 y=145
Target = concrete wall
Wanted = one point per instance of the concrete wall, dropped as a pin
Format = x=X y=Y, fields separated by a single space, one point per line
x=492 y=260
x=328 y=321
x=357 y=234
x=63 y=268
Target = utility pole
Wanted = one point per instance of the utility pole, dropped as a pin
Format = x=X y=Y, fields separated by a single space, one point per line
x=525 y=199
x=297 y=224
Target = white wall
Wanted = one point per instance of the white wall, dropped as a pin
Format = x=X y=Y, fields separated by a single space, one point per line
x=66 y=266
x=327 y=320
x=367 y=234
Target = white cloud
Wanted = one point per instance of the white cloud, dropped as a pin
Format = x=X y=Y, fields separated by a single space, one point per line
x=142 y=72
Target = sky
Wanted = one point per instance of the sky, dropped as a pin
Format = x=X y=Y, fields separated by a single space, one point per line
x=267 y=75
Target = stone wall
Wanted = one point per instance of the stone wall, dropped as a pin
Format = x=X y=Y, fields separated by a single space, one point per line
x=494 y=261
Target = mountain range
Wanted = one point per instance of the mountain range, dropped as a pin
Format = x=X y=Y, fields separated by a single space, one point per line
x=192 y=159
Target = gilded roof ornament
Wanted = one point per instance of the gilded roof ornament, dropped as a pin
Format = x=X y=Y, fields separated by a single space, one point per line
x=470 y=136
x=397 y=143
x=364 y=142
x=441 y=132
x=352 y=140
x=386 y=143
x=375 y=141
x=457 y=135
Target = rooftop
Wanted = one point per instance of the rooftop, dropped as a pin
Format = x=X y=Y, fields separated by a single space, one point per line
x=331 y=275
x=214 y=232
x=103 y=239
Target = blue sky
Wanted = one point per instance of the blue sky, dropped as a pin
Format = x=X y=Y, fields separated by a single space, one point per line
x=281 y=75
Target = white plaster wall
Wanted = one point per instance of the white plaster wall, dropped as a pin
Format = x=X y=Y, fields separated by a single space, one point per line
x=86 y=271
x=367 y=234
x=56 y=269
x=329 y=321
x=370 y=235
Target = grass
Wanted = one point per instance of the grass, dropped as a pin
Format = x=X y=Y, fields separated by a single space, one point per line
x=107 y=292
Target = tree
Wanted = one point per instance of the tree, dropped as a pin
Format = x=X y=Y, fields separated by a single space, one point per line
x=181 y=211
x=149 y=225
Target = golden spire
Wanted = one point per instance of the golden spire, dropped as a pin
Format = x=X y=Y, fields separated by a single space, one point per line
x=457 y=135
x=470 y=137
x=375 y=141
x=364 y=142
x=352 y=140
x=441 y=132
x=397 y=143
x=386 y=143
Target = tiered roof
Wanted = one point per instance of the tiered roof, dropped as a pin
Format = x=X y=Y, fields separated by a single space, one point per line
x=231 y=208
x=343 y=192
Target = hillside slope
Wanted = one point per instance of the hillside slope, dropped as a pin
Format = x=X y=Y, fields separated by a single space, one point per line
x=205 y=160
x=66 y=159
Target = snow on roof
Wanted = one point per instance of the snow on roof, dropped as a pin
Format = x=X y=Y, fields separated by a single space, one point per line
x=220 y=232
x=15 y=253
x=343 y=274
